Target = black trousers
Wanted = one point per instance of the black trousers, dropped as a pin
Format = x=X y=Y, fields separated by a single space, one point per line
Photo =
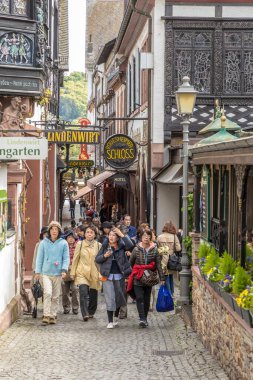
x=143 y=294
x=88 y=300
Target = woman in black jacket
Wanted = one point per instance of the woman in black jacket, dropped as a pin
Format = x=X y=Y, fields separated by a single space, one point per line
x=114 y=268
x=145 y=254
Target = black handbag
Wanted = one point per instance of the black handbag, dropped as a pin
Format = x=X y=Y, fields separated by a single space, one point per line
x=174 y=262
x=37 y=292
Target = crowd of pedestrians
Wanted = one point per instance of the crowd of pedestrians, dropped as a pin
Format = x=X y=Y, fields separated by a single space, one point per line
x=116 y=258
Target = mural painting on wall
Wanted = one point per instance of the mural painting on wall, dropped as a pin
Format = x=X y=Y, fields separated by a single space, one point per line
x=12 y=116
x=16 y=48
x=3 y=217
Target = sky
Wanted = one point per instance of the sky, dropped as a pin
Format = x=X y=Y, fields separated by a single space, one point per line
x=77 y=18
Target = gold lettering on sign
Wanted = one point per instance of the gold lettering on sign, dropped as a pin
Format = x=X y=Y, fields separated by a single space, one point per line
x=120 y=154
x=74 y=137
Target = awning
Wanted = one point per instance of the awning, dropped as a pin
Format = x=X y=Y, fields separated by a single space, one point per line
x=169 y=173
x=179 y=180
x=172 y=175
x=98 y=179
x=84 y=191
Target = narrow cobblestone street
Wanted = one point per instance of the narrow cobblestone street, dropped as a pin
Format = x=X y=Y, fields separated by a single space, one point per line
x=75 y=350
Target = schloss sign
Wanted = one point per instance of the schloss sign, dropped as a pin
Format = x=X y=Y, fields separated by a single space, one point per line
x=120 y=151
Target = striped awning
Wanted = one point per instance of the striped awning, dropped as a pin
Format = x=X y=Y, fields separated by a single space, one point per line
x=84 y=191
x=99 y=179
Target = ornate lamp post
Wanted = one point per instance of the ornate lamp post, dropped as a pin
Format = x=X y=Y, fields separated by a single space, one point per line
x=185 y=98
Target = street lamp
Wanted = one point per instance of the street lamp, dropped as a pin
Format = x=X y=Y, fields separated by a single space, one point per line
x=185 y=98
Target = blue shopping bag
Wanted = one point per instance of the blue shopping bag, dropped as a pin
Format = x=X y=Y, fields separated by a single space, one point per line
x=164 y=300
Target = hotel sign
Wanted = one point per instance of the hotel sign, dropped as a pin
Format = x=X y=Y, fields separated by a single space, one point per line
x=120 y=151
x=74 y=137
x=23 y=148
x=80 y=163
x=120 y=179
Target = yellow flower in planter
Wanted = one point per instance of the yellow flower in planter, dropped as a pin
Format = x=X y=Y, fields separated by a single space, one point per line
x=245 y=299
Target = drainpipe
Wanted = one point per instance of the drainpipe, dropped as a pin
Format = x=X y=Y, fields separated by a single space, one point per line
x=149 y=125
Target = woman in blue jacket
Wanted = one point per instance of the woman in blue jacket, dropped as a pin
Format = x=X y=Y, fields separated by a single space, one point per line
x=52 y=264
x=114 y=268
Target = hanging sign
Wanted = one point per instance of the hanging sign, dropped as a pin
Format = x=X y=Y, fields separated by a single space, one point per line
x=23 y=148
x=120 y=179
x=80 y=163
x=74 y=137
x=120 y=151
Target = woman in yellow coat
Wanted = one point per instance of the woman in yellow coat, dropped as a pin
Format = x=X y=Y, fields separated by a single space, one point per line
x=85 y=272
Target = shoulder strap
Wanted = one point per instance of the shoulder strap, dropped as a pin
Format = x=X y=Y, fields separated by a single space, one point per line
x=80 y=248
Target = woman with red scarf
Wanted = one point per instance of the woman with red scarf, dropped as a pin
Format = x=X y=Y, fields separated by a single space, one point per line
x=144 y=257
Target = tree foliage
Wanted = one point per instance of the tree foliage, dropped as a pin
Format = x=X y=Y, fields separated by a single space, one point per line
x=73 y=99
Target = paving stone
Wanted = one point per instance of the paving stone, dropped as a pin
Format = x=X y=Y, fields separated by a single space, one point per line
x=75 y=350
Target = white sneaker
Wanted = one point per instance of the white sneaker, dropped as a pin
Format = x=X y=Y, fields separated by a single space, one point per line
x=115 y=321
x=110 y=325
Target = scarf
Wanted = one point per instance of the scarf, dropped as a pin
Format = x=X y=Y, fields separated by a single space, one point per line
x=137 y=272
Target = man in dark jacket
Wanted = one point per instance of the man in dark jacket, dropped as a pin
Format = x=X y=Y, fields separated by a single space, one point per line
x=130 y=230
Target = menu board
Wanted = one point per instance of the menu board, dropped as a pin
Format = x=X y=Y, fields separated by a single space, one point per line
x=204 y=202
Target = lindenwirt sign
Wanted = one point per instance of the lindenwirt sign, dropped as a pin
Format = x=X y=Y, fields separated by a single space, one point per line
x=23 y=148
x=74 y=137
x=120 y=151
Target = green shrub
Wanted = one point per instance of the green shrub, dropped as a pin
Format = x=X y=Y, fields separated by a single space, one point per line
x=227 y=265
x=212 y=261
x=249 y=260
x=241 y=280
x=204 y=250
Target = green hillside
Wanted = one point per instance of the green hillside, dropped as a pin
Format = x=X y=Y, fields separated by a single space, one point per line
x=73 y=99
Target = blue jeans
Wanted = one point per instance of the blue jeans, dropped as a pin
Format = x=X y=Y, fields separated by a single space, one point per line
x=169 y=283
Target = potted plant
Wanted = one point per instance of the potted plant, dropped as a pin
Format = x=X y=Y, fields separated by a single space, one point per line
x=211 y=268
x=241 y=280
x=245 y=302
x=225 y=284
x=204 y=250
x=227 y=267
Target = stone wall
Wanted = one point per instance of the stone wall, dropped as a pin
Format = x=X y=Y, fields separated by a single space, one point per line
x=221 y=330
